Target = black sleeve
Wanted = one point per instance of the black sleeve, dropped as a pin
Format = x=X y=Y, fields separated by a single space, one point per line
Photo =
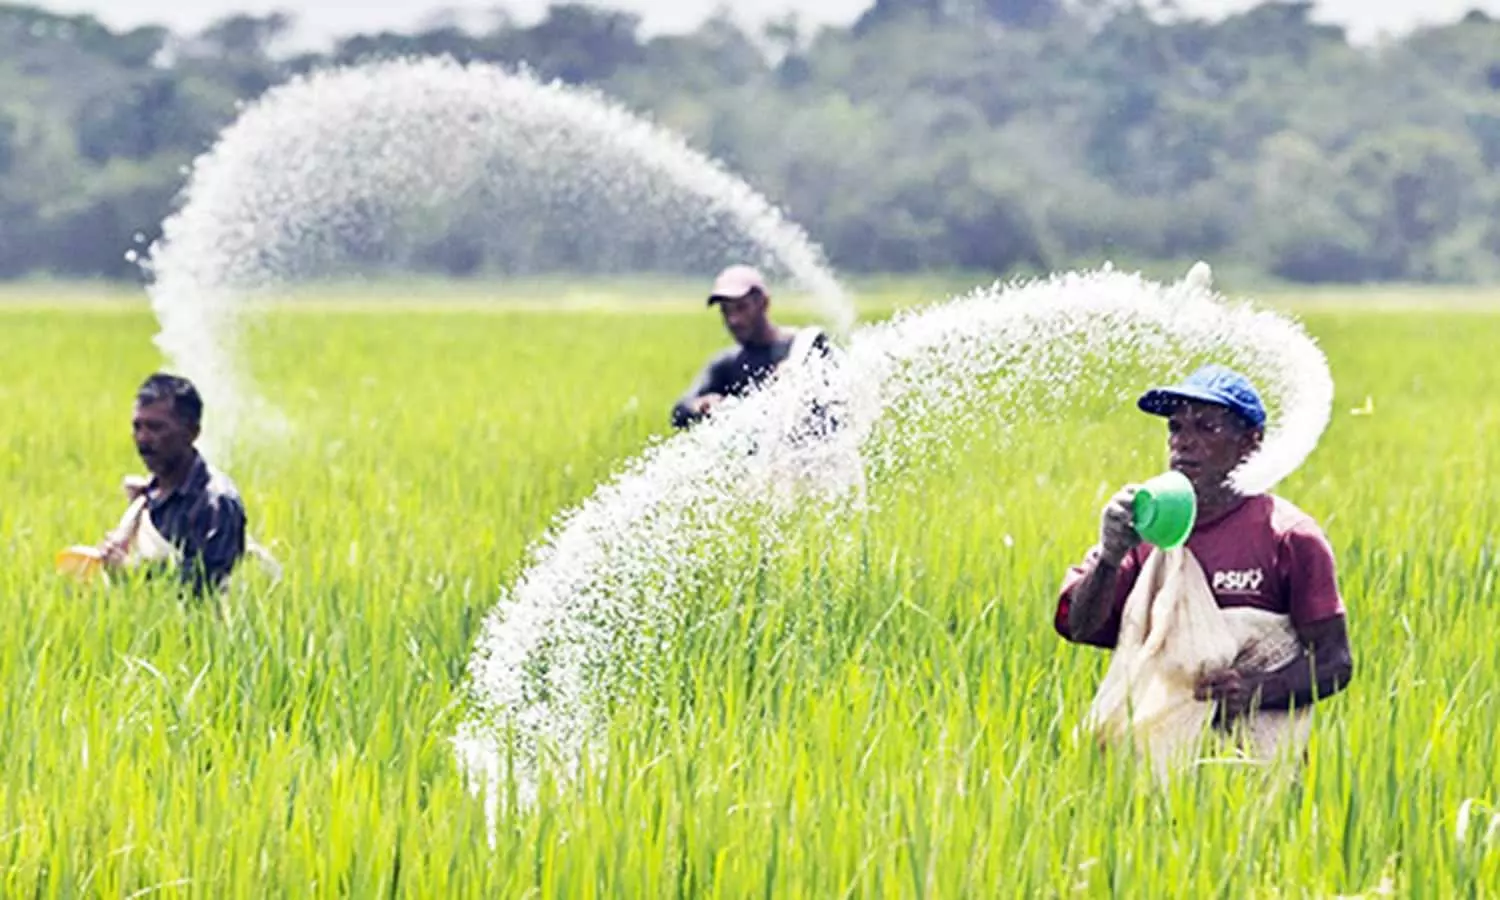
x=709 y=381
x=217 y=543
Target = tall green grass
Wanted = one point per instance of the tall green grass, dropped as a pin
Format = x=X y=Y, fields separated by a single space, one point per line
x=881 y=710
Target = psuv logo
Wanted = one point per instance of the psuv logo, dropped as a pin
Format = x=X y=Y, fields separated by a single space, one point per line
x=1246 y=581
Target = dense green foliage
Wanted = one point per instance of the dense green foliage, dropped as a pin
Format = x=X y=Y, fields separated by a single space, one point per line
x=889 y=719
x=930 y=135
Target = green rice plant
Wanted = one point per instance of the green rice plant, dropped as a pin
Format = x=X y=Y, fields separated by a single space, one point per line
x=877 y=707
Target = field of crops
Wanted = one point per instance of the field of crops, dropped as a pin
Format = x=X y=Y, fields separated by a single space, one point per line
x=894 y=719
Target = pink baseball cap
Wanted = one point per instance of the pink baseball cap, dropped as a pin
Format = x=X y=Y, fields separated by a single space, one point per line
x=735 y=282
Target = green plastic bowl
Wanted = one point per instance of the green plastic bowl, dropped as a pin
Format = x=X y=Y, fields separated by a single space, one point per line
x=1166 y=507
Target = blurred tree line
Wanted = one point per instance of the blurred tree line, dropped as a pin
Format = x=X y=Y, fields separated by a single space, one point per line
x=931 y=134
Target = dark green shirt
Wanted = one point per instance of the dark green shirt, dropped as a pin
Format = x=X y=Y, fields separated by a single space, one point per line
x=736 y=371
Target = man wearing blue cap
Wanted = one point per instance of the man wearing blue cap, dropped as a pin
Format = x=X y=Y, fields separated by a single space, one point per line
x=1255 y=551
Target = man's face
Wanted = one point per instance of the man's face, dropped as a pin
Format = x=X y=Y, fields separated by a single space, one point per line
x=162 y=438
x=744 y=316
x=1206 y=442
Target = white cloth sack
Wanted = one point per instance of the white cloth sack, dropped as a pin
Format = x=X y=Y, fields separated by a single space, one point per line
x=1171 y=633
x=144 y=544
x=802 y=456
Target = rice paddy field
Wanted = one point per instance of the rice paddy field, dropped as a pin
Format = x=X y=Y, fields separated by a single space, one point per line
x=894 y=719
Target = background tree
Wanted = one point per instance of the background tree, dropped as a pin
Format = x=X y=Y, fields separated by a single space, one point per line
x=985 y=135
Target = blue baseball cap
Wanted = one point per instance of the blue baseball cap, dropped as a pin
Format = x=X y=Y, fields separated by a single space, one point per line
x=1211 y=384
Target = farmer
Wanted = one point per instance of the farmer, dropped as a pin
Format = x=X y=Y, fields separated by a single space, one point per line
x=190 y=504
x=1255 y=551
x=741 y=295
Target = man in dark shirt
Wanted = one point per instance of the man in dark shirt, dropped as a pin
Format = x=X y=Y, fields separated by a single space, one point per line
x=741 y=295
x=195 y=507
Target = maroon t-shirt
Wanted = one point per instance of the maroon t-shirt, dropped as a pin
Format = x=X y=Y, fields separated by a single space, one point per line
x=1266 y=553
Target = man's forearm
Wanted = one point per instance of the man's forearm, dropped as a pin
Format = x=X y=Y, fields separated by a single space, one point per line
x=1305 y=681
x=1322 y=670
x=1093 y=599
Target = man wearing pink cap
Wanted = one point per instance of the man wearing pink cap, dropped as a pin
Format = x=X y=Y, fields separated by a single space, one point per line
x=741 y=295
